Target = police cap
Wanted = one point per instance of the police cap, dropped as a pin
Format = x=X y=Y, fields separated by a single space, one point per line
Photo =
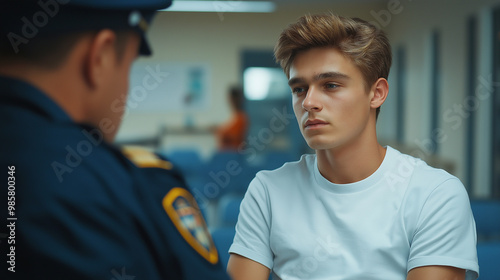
x=25 y=20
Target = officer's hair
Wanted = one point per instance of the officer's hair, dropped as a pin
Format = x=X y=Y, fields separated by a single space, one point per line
x=367 y=46
x=49 y=52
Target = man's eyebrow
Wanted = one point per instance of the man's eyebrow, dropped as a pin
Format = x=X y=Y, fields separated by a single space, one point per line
x=334 y=75
x=326 y=75
x=293 y=81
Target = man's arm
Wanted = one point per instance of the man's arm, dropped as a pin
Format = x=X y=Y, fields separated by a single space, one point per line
x=241 y=268
x=435 y=272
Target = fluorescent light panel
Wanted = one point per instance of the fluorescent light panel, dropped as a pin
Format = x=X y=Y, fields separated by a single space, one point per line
x=222 y=6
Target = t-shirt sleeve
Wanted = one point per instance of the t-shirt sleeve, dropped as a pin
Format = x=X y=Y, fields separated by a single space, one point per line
x=253 y=226
x=446 y=231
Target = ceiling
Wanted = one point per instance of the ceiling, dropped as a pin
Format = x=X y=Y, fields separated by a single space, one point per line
x=303 y=1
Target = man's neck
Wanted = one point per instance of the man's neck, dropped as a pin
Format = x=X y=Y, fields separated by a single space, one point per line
x=351 y=163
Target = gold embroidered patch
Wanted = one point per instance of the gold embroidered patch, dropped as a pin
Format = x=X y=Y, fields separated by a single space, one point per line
x=183 y=210
x=144 y=158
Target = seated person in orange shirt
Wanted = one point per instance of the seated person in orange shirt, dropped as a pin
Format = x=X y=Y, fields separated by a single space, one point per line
x=232 y=134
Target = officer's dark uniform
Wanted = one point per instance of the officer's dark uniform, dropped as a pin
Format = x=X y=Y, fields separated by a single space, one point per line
x=81 y=208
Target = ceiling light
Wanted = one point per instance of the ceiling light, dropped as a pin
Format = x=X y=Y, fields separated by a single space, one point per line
x=222 y=6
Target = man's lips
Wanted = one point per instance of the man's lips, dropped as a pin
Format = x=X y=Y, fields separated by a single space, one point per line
x=316 y=123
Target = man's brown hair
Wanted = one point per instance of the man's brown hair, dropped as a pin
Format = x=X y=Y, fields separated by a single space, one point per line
x=367 y=46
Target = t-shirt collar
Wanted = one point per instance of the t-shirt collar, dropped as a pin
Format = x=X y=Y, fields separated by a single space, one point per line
x=364 y=184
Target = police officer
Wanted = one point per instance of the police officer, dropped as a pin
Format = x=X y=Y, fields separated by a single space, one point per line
x=75 y=206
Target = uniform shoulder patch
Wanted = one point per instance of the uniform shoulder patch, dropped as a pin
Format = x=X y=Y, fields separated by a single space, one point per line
x=144 y=158
x=183 y=210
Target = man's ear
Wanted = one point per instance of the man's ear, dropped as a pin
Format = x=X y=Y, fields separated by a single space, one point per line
x=380 y=91
x=100 y=57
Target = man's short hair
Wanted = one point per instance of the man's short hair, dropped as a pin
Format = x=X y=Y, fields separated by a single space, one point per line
x=367 y=46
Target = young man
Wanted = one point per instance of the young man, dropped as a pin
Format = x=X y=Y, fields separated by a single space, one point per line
x=75 y=206
x=355 y=209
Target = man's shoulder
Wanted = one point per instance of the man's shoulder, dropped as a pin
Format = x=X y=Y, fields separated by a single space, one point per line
x=305 y=162
x=289 y=175
x=421 y=175
x=428 y=173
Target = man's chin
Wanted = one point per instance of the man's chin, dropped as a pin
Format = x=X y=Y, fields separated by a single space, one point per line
x=319 y=145
x=323 y=144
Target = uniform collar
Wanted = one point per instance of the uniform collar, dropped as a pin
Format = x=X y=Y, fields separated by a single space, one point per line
x=18 y=92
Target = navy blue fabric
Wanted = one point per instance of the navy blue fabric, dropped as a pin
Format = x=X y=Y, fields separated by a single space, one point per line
x=102 y=218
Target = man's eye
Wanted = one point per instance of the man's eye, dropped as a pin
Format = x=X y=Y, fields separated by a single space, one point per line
x=331 y=86
x=297 y=90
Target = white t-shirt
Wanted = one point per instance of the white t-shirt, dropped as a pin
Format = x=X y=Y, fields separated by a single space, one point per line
x=405 y=215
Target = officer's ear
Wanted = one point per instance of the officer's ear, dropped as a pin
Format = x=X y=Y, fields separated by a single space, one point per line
x=101 y=57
